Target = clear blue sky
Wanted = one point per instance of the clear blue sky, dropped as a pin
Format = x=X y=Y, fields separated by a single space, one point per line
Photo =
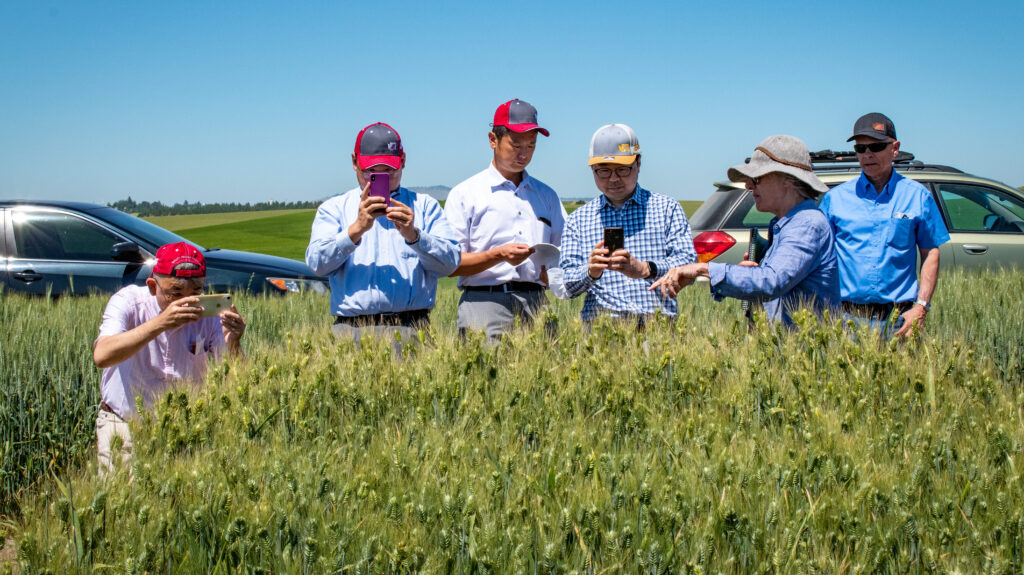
x=252 y=101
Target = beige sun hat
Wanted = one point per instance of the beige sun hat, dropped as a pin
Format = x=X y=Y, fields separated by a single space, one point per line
x=781 y=153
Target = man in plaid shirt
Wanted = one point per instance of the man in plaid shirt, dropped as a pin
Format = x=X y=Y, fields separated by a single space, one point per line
x=656 y=235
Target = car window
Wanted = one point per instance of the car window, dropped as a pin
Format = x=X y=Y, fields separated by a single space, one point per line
x=47 y=235
x=745 y=215
x=974 y=208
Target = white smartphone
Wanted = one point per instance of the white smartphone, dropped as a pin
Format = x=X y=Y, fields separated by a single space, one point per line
x=213 y=304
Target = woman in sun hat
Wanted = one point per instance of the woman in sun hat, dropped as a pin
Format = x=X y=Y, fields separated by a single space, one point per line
x=800 y=267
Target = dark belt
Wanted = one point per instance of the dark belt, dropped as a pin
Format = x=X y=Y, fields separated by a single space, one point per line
x=876 y=310
x=399 y=318
x=507 y=287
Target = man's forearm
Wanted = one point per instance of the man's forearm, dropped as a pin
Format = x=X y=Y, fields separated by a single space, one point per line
x=474 y=263
x=111 y=350
x=929 y=274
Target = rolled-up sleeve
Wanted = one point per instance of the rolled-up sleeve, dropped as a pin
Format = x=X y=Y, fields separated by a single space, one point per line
x=329 y=242
x=679 y=248
x=575 y=257
x=791 y=259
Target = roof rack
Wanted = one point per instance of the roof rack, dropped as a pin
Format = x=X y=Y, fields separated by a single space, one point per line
x=828 y=160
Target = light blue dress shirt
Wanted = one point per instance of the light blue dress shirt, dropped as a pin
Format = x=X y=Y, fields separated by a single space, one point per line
x=878 y=236
x=655 y=229
x=800 y=268
x=382 y=273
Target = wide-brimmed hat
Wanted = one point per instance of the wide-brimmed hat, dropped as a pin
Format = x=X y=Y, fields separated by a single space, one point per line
x=784 y=154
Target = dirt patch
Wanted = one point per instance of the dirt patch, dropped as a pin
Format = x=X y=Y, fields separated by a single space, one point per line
x=9 y=556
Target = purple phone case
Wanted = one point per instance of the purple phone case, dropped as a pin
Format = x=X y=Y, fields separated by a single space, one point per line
x=380 y=185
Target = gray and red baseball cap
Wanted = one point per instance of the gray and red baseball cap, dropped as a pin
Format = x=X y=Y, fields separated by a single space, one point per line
x=379 y=144
x=518 y=116
x=874 y=125
x=170 y=256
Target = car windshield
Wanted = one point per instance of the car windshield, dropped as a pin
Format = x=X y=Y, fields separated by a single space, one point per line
x=149 y=233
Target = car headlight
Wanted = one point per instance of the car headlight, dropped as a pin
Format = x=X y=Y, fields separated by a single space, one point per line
x=298 y=285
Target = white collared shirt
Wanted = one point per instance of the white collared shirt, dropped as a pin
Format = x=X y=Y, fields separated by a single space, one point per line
x=487 y=211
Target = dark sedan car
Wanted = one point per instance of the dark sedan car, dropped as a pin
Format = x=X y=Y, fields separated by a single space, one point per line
x=53 y=247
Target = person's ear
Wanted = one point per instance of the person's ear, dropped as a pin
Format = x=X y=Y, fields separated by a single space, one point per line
x=493 y=139
x=151 y=284
x=403 y=161
x=355 y=163
x=895 y=149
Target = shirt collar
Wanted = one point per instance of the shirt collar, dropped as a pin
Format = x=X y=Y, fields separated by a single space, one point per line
x=863 y=183
x=496 y=180
x=779 y=223
x=639 y=198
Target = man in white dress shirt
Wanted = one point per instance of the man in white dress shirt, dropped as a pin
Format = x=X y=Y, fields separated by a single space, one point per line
x=497 y=216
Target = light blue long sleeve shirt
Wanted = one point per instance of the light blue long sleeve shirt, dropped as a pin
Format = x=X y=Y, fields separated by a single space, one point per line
x=382 y=273
x=800 y=268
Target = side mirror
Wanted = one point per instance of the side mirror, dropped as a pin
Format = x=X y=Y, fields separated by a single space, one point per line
x=127 y=252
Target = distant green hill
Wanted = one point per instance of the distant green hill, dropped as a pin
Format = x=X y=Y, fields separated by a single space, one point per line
x=282 y=235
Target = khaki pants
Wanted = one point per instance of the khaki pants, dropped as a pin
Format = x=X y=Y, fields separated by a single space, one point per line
x=109 y=426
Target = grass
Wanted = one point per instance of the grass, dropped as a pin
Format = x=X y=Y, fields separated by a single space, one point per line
x=282 y=233
x=692 y=447
x=185 y=222
x=285 y=235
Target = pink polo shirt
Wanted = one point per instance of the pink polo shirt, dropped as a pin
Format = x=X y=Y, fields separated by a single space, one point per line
x=175 y=356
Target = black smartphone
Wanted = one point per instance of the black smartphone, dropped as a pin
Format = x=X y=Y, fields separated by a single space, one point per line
x=614 y=239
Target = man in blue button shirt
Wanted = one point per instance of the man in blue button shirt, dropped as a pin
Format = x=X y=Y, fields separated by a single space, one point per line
x=654 y=228
x=882 y=222
x=383 y=260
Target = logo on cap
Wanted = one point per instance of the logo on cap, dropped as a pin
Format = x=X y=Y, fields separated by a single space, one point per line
x=878 y=126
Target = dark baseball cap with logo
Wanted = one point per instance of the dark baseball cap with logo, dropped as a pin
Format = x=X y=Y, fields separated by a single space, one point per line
x=379 y=144
x=518 y=116
x=873 y=125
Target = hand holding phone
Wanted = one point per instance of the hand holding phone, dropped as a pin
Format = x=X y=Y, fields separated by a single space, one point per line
x=614 y=239
x=380 y=186
x=213 y=304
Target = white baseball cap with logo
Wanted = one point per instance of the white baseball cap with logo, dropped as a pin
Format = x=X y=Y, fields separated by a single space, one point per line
x=614 y=144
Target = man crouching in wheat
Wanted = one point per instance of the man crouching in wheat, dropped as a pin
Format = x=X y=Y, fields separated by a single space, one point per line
x=153 y=337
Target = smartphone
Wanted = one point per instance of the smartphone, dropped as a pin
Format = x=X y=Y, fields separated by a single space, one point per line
x=614 y=239
x=380 y=185
x=213 y=304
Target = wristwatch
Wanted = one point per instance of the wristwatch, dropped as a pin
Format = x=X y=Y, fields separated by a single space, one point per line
x=925 y=304
x=654 y=270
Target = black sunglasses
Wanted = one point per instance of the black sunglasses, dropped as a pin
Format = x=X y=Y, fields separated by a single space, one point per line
x=874 y=147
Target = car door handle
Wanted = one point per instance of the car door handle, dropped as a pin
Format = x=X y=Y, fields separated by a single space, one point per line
x=976 y=249
x=28 y=276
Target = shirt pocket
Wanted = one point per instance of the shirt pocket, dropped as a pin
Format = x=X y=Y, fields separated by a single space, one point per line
x=900 y=233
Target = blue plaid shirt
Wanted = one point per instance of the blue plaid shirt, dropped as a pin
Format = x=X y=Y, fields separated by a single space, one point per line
x=655 y=229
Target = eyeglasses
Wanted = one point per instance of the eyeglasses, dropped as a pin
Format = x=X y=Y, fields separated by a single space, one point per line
x=621 y=171
x=874 y=147
x=755 y=181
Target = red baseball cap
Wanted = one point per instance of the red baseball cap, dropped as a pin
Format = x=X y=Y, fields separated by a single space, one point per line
x=379 y=144
x=170 y=255
x=518 y=116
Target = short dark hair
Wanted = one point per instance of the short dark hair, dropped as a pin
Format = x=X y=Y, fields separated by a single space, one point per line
x=500 y=132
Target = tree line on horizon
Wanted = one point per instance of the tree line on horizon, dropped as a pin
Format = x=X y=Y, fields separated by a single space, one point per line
x=148 y=209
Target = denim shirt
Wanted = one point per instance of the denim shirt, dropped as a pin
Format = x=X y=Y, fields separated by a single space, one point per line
x=800 y=268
